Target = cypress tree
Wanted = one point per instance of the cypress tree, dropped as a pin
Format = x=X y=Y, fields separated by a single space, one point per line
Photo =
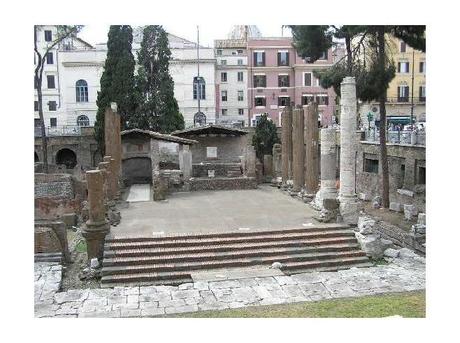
x=117 y=81
x=265 y=137
x=158 y=109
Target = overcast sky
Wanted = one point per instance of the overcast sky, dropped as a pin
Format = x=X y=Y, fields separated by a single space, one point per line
x=94 y=34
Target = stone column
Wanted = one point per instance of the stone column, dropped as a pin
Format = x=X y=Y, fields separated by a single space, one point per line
x=185 y=161
x=311 y=150
x=104 y=167
x=298 y=150
x=250 y=161
x=268 y=167
x=286 y=141
x=108 y=132
x=277 y=162
x=97 y=226
x=328 y=188
x=113 y=184
x=349 y=204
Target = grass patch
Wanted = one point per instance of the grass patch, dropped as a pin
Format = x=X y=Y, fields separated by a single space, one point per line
x=379 y=261
x=408 y=304
x=81 y=246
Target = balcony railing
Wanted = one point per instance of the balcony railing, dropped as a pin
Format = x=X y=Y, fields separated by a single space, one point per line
x=406 y=99
x=414 y=137
x=66 y=130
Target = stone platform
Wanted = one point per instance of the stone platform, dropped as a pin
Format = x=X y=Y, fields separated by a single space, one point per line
x=222 y=183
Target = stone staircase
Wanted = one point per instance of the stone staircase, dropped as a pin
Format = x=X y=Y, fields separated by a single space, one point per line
x=169 y=260
x=234 y=171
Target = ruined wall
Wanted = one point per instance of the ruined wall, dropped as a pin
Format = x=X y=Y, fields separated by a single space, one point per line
x=220 y=169
x=229 y=148
x=404 y=163
x=57 y=194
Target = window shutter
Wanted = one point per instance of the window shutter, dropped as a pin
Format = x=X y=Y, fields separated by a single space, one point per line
x=287 y=60
x=279 y=58
x=255 y=58
x=399 y=67
x=263 y=58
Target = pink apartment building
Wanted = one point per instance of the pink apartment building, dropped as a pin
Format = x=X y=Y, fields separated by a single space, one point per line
x=277 y=76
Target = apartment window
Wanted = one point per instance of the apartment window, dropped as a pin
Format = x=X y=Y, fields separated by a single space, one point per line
x=259 y=101
x=307 y=99
x=421 y=92
x=421 y=176
x=403 y=67
x=240 y=76
x=422 y=67
x=49 y=58
x=259 y=58
x=52 y=105
x=224 y=111
x=233 y=53
x=224 y=95
x=81 y=89
x=239 y=51
x=240 y=95
x=283 y=80
x=241 y=111
x=283 y=101
x=35 y=106
x=50 y=81
x=260 y=81
x=371 y=163
x=82 y=120
x=48 y=36
x=323 y=56
x=53 y=122
x=223 y=77
x=199 y=86
x=307 y=77
x=402 y=47
x=240 y=62
x=219 y=52
x=223 y=62
x=283 y=58
x=403 y=93
x=322 y=99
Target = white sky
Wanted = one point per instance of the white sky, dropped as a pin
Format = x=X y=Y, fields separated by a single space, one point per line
x=94 y=34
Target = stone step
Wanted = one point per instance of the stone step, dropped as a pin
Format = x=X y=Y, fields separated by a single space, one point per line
x=236 y=233
x=190 y=241
x=237 y=262
x=143 y=258
x=182 y=250
x=48 y=257
x=291 y=268
x=145 y=279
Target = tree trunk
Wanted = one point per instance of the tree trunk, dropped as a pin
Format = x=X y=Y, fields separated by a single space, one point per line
x=383 y=123
x=42 y=127
x=349 y=55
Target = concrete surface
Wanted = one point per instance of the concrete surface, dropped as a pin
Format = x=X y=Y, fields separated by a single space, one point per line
x=214 y=211
x=138 y=193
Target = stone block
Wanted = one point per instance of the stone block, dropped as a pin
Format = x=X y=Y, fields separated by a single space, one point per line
x=407 y=253
x=418 y=229
x=395 y=206
x=364 y=197
x=366 y=225
x=410 y=211
x=69 y=219
x=377 y=201
x=393 y=253
x=406 y=192
x=421 y=219
x=46 y=241
x=372 y=245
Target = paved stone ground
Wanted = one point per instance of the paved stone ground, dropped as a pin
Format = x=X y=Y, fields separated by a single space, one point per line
x=213 y=211
x=402 y=274
x=138 y=193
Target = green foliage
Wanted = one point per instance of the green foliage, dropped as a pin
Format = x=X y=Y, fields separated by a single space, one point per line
x=158 y=109
x=311 y=41
x=117 y=81
x=264 y=137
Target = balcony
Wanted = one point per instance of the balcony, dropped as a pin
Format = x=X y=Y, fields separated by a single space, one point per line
x=406 y=100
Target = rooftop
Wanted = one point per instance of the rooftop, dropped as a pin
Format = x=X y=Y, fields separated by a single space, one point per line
x=210 y=129
x=158 y=136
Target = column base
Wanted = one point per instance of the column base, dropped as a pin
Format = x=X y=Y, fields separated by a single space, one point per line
x=94 y=235
x=350 y=209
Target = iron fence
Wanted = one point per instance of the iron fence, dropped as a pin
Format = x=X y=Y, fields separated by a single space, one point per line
x=65 y=130
x=414 y=137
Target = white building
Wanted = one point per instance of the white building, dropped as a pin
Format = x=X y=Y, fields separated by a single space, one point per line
x=72 y=80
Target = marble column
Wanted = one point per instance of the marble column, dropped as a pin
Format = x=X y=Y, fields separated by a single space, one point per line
x=113 y=183
x=97 y=226
x=286 y=141
x=298 y=150
x=185 y=161
x=349 y=204
x=311 y=150
x=268 y=167
x=277 y=163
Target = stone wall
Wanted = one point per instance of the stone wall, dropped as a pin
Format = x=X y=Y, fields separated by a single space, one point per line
x=220 y=169
x=400 y=237
x=404 y=162
x=223 y=183
x=57 y=194
x=229 y=148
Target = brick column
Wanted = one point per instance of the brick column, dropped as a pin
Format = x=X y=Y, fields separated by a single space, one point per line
x=311 y=150
x=97 y=226
x=286 y=141
x=349 y=205
x=298 y=150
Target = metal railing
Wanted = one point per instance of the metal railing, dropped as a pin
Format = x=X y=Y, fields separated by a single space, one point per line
x=406 y=99
x=66 y=130
x=409 y=137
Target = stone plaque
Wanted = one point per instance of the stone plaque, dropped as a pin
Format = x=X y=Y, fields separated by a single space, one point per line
x=211 y=173
x=211 y=152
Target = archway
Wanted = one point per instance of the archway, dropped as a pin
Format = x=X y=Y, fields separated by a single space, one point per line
x=36 y=159
x=137 y=170
x=66 y=157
